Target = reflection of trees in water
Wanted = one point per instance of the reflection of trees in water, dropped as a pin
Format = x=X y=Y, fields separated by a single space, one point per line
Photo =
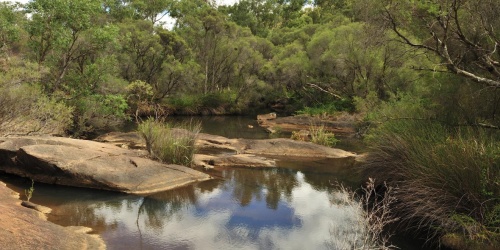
x=83 y=212
x=161 y=207
x=250 y=183
x=325 y=174
x=320 y=181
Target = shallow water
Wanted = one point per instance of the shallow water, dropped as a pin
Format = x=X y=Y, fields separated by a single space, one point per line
x=246 y=209
x=295 y=206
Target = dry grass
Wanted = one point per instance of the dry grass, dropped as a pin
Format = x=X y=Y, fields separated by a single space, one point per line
x=372 y=215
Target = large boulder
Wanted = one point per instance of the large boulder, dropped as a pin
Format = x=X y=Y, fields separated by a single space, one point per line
x=25 y=228
x=90 y=164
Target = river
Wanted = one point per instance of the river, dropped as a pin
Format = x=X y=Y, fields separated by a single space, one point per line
x=295 y=206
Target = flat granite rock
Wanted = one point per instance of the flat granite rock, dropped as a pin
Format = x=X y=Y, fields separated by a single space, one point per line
x=91 y=164
x=279 y=147
x=240 y=160
x=25 y=228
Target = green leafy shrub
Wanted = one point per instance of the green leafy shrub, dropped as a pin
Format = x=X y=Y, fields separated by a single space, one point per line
x=98 y=111
x=29 y=192
x=328 y=109
x=321 y=136
x=170 y=145
x=25 y=108
x=221 y=102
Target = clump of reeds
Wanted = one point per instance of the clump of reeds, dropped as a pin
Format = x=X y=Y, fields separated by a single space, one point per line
x=448 y=178
x=168 y=144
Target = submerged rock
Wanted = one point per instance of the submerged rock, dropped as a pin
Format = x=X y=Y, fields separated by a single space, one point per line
x=25 y=228
x=39 y=208
x=81 y=163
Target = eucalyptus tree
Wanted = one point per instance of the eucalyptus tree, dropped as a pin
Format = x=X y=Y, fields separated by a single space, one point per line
x=11 y=30
x=224 y=50
x=463 y=34
x=261 y=16
x=461 y=38
x=350 y=60
x=156 y=56
x=152 y=10
x=60 y=31
x=76 y=42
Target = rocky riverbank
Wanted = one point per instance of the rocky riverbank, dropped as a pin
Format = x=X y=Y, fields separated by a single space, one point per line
x=25 y=228
x=90 y=164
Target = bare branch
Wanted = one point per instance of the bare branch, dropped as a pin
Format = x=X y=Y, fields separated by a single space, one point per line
x=323 y=90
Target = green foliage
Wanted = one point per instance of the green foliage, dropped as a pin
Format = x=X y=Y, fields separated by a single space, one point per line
x=98 y=111
x=24 y=108
x=170 y=145
x=327 y=109
x=224 y=102
x=10 y=30
x=29 y=192
x=321 y=136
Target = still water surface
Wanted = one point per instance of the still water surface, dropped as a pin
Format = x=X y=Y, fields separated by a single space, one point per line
x=245 y=209
x=295 y=206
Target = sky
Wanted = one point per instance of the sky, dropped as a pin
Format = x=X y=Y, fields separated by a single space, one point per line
x=168 y=22
x=219 y=2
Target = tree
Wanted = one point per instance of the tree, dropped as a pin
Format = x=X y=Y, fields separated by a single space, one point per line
x=152 y=10
x=156 y=56
x=10 y=30
x=57 y=29
x=353 y=60
x=219 y=47
x=261 y=16
x=463 y=34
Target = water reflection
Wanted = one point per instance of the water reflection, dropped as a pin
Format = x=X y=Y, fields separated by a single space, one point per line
x=247 y=209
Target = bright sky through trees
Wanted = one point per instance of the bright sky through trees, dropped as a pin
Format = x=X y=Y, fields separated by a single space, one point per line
x=219 y=2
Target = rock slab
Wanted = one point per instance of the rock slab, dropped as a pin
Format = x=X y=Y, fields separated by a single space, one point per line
x=81 y=163
x=25 y=228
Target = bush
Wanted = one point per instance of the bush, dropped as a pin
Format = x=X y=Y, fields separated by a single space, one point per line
x=328 y=109
x=98 y=111
x=217 y=103
x=444 y=175
x=24 y=108
x=321 y=136
x=170 y=145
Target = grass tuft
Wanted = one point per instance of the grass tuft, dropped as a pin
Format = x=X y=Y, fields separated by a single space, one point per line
x=448 y=178
x=168 y=144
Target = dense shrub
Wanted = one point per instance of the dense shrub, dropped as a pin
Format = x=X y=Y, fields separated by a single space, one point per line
x=24 y=108
x=98 y=111
x=330 y=108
